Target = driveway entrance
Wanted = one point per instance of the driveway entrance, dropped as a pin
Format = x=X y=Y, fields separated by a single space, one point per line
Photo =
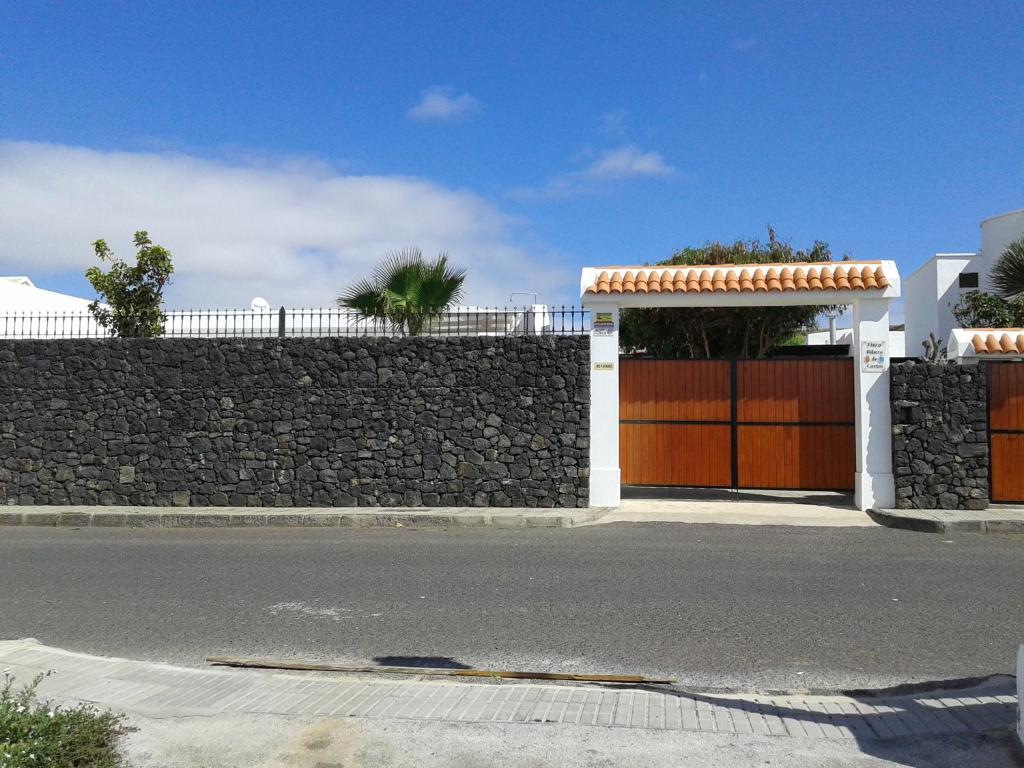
x=768 y=424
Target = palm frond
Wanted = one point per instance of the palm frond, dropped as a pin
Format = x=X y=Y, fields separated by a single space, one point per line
x=1008 y=273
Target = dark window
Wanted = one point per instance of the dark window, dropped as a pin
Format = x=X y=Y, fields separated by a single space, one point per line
x=968 y=279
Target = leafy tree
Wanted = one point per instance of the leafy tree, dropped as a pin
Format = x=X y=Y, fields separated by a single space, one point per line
x=980 y=309
x=132 y=295
x=1008 y=273
x=406 y=291
x=694 y=332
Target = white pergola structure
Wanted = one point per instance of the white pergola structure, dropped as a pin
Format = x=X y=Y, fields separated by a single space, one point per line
x=868 y=286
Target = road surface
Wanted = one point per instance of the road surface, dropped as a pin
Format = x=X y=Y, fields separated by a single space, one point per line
x=715 y=606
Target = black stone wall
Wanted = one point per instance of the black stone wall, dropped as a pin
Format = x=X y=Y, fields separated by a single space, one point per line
x=940 y=435
x=296 y=422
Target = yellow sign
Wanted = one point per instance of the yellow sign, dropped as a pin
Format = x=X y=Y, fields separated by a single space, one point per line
x=604 y=366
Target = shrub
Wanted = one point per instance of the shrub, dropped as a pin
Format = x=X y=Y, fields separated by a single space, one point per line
x=42 y=735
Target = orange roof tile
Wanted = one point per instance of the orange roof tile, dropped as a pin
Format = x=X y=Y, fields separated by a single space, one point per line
x=998 y=341
x=732 y=278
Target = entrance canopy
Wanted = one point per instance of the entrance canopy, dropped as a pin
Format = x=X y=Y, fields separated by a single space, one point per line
x=730 y=285
x=869 y=286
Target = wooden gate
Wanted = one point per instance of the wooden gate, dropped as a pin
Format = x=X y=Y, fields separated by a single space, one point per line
x=785 y=424
x=1006 y=431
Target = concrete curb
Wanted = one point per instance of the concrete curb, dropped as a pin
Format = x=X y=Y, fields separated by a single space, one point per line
x=304 y=517
x=948 y=521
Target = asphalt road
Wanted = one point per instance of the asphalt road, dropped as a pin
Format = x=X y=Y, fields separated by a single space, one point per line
x=718 y=606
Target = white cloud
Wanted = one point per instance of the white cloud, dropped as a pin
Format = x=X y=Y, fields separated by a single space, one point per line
x=612 y=165
x=440 y=104
x=628 y=162
x=295 y=233
x=743 y=43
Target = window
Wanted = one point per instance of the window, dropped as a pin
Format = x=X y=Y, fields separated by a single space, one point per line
x=968 y=279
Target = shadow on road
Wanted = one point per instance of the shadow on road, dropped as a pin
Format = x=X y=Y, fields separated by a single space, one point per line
x=425 y=662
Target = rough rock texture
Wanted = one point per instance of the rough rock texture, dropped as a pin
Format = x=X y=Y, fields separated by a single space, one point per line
x=296 y=422
x=939 y=435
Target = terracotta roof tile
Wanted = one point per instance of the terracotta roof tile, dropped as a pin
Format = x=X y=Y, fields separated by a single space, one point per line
x=998 y=341
x=731 y=278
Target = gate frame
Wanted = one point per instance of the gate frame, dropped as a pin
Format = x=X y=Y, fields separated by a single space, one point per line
x=874 y=486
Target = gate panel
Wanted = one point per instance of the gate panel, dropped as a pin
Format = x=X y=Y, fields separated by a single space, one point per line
x=1006 y=431
x=805 y=457
x=795 y=424
x=675 y=454
x=674 y=422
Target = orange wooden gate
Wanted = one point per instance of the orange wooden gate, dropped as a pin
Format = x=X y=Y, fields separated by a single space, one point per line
x=784 y=424
x=1006 y=431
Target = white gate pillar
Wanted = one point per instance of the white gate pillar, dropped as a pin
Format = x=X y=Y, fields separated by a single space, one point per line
x=604 y=406
x=873 y=482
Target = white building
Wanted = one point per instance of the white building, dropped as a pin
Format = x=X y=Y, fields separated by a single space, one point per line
x=930 y=293
x=20 y=294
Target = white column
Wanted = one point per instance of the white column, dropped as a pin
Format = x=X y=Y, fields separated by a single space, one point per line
x=604 y=407
x=873 y=482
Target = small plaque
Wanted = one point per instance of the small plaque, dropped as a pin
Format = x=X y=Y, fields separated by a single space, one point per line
x=604 y=366
x=604 y=323
x=874 y=356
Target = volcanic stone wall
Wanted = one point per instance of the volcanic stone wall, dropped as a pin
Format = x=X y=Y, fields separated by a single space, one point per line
x=296 y=422
x=940 y=435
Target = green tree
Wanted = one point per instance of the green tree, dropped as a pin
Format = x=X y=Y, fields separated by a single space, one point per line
x=695 y=332
x=406 y=291
x=131 y=295
x=980 y=309
x=1008 y=273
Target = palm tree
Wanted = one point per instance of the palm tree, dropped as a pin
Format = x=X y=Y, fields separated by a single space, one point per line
x=1008 y=273
x=405 y=290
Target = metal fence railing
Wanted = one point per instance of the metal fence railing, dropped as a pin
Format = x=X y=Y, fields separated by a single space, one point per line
x=540 y=319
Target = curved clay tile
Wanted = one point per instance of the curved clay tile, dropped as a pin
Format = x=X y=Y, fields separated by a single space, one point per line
x=979 y=344
x=718 y=281
x=813 y=279
x=992 y=343
x=1006 y=343
x=666 y=281
x=693 y=280
x=772 y=279
x=856 y=283
x=746 y=283
x=732 y=281
x=841 y=278
x=867 y=276
x=786 y=279
x=640 y=284
x=880 y=278
x=602 y=283
x=704 y=280
x=759 y=280
x=828 y=283
x=1019 y=344
x=679 y=281
x=591 y=289
x=615 y=284
x=628 y=282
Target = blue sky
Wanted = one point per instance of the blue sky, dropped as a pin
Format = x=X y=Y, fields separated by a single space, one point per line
x=276 y=148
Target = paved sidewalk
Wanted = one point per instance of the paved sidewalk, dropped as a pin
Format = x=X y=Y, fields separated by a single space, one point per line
x=725 y=511
x=992 y=520
x=330 y=517
x=160 y=690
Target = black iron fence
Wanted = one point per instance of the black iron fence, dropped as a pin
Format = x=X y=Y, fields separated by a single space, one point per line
x=210 y=323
